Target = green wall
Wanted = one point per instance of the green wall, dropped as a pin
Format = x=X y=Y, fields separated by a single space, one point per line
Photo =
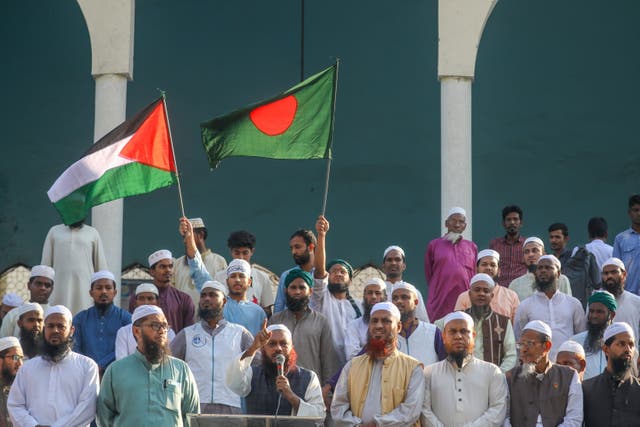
x=554 y=120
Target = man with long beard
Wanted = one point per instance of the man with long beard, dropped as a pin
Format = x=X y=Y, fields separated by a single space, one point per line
x=563 y=313
x=149 y=387
x=463 y=389
x=59 y=387
x=541 y=392
x=206 y=347
x=311 y=331
x=613 y=397
x=30 y=320
x=601 y=309
x=614 y=279
x=356 y=336
x=383 y=386
x=275 y=387
x=10 y=361
x=330 y=294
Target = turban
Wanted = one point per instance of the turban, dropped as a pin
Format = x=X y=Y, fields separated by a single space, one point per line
x=342 y=262
x=604 y=297
x=295 y=273
x=239 y=266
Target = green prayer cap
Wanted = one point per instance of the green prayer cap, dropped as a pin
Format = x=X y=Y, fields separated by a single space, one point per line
x=342 y=262
x=605 y=298
x=294 y=274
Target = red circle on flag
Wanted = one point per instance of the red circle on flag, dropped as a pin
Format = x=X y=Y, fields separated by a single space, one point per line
x=276 y=117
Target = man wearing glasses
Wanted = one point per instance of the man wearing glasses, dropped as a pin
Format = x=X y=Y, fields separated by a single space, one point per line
x=10 y=361
x=541 y=392
x=148 y=387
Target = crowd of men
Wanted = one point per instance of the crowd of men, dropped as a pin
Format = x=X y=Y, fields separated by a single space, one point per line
x=511 y=335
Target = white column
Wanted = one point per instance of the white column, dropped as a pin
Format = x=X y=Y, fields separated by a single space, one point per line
x=111 y=28
x=460 y=26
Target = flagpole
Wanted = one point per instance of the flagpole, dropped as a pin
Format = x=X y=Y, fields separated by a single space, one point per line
x=333 y=119
x=175 y=162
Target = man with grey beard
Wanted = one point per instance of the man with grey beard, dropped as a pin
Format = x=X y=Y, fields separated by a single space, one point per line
x=207 y=347
x=554 y=389
x=149 y=387
x=601 y=309
x=613 y=397
x=59 y=387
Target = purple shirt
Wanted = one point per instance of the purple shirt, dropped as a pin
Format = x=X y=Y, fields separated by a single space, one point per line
x=448 y=269
x=177 y=306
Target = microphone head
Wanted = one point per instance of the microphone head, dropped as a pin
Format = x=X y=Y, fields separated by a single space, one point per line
x=280 y=359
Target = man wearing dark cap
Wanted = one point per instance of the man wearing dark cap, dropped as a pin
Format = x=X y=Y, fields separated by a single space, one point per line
x=312 y=336
x=331 y=291
x=601 y=309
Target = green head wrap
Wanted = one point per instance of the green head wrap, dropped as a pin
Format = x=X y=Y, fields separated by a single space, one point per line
x=605 y=298
x=294 y=274
x=342 y=262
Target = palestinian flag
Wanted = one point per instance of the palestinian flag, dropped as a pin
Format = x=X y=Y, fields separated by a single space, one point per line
x=296 y=124
x=134 y=158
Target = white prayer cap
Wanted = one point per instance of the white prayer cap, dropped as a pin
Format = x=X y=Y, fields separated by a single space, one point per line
x=614 y=261
x=30 y=306
x=102 y=274
x=375 y=281
x=555 y=261
x=59 y=309
x=617 y=328
x=43 y=271
x=539 y=326
x=158 y=256
x=9 y=342
x=393 y=248
x=214 y=284
x=197 y=222
x=386 y=306
x=147 y=287
x=239 y=266
x=280 y=327
x=488 y=252
x=144 y=311
x=405 y=285
x=12 y=300
x=459 y=315
x=482 y=277
x=571 y=346
x=457 y=210
x=538 y=241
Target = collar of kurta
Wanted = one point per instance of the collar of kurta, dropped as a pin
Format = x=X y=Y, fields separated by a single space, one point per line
x=145 y=362
x=465 y=361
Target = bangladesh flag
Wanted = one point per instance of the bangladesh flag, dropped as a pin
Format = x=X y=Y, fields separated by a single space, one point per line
x=134 y=158
x=296 y=124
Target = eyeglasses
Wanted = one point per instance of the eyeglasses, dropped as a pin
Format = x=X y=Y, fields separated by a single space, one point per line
x=157 y=326
x=14 y=357
x=526 y=344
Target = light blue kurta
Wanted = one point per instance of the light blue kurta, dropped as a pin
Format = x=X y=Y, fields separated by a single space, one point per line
x=136 y=393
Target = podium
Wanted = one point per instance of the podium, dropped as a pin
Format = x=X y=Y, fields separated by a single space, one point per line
x=215 y=420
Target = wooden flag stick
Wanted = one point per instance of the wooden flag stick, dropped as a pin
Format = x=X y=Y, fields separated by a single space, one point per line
x=175 y=161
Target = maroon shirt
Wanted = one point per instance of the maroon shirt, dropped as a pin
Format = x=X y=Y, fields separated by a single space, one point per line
x=177 y=306
x=511 y=263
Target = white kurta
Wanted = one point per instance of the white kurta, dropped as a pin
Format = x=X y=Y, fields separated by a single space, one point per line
x=474 y=395
x=59 y=394
x=238 y=379
x=260 y=288
x=75 y=254
x=421 y=308
x=596 y=362
x=629 y=311
x=564 y=315
x=524 y=285
x=182 y=273
x=339 y=312
x=126 y=343
x=356 y=337
x=420 y=344
x=10 y=323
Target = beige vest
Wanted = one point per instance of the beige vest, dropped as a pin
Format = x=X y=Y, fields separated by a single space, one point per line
x=396 y=374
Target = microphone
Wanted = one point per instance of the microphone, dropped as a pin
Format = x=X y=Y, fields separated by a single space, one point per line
x=280 y=364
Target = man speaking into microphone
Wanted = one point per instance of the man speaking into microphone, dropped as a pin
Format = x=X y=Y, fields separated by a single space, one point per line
x=277 y=386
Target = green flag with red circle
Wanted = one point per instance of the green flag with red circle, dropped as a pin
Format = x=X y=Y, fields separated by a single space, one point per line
x=296 y=124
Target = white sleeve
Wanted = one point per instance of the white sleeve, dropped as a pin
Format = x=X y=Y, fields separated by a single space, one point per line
x=239 y=375
x=341 y=404
x=575 y=410
x=497 y=411
x=121 y=343
x=317 y=296
x=428 y=418
x=85 y=410
x=17 y=402
x=352 y=339
x=510 y=354
x=313 y=404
